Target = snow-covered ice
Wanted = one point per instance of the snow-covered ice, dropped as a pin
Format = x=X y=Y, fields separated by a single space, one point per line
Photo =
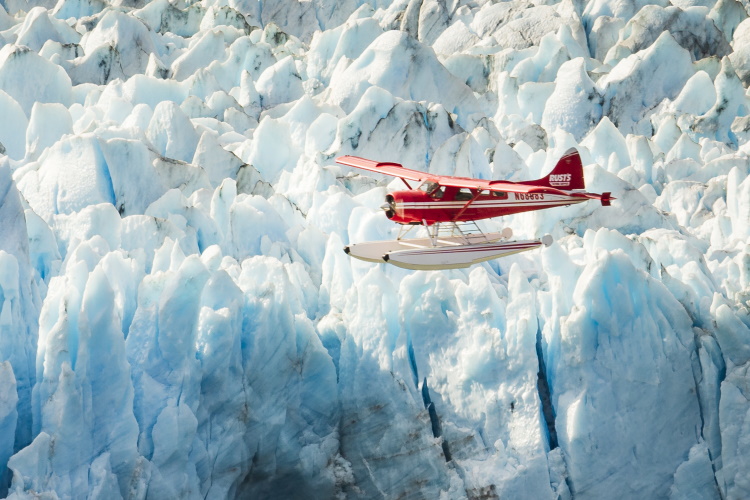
x=178 y=318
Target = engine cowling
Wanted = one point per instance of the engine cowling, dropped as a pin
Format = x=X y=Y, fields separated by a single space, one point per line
x=412 y=207
x=389 y=206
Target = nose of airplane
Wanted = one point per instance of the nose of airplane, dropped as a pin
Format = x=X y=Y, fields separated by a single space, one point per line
x=389 y=207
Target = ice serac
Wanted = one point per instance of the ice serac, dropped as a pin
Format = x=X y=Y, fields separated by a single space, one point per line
x=690 y=27
x=203 y=52
x=740 y=56
x=65 y=9
x=462 y=156
x=12 y=127
x=575 y=105
x=83 y=400
x=280 y=83
x=20 y=304
x=6 y=21
x=735 y=422
x=407 y=69
x=607 y=145
x=599 y=8
x=694 y=477
x=297 y=18
x=554 y=49
x=163 y=17
x=217 y=162
x=8 y=420
x=131 y=42
x=218 y=16
x=521 y=25
x=135 y=182
x=39 y=27
x=294 y=414
x=47 y=124
x=697 y=96
x=68 y=176
x=730 y=103
x=171 y=132
x=244 y=54
x=373 y=430
x=641 y=81
x=157 y=348
x=29 y=78
x=474 y=344
x=391 y=129
x=348 y=41
x=211 y=421
x=625 y=324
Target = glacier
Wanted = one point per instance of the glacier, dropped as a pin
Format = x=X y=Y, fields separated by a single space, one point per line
x=178 y=318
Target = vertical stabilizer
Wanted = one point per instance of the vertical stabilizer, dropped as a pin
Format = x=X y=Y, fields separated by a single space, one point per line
x=567 y=174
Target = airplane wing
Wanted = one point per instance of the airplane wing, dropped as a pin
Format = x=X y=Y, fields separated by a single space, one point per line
x=396 y=170
x=387 y=168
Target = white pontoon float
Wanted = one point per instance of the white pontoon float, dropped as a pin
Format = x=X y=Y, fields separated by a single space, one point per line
x=457 y=249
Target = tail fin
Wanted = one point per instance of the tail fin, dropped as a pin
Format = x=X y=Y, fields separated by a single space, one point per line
x=567 y=174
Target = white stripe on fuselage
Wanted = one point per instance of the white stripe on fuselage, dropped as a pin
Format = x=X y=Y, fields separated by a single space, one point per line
x=435 y=205
x=494 y=202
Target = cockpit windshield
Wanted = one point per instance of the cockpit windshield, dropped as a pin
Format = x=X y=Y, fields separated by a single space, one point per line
x=432 y=188
x=428 y=186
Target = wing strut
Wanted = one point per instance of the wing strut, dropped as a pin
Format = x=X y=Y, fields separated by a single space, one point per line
x=463 y=209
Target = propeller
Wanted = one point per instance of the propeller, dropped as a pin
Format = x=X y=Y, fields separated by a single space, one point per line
x=389 y=207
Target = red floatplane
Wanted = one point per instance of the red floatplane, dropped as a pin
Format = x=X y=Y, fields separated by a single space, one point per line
x=450 y=206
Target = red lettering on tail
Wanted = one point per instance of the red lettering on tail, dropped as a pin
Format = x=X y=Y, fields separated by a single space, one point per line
x=567 y=174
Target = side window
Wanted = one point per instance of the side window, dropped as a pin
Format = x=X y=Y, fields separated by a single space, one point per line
x=500 y=194
x=463 y=195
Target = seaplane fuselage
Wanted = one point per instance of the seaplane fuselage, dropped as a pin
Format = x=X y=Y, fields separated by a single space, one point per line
x=431 y=203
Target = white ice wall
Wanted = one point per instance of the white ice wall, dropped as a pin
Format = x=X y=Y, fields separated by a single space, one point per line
x=179 y=319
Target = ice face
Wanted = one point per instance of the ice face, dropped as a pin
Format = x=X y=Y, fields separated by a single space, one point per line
x=178 y=318
x=29 y=78
x=13 y=128
x=574 y=105
x=18 y=329
x=391 y=62
x=662 y=374
x=692 y=28
x=8 y=415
